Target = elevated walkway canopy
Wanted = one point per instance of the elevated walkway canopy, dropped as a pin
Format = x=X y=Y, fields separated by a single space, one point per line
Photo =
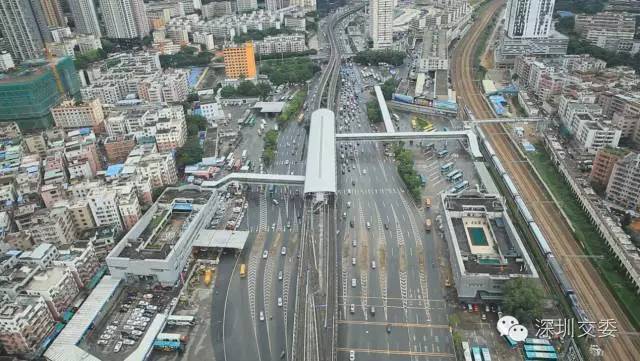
x=256 y=178
x=320 y=176
x=474 y=149
x=386 y=117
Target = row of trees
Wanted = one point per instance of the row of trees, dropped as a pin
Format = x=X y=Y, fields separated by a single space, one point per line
x=191 y=152
x=375 y=57
x=83 y=60
x=288 y=54
x=270 y=147
x=247 y=88
x=407 y=173
x=293 y=107
x=185 y=58
x=373 y=111
x=292 y=70
x=389 y=87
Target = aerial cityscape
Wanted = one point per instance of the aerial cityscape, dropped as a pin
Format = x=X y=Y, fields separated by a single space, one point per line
x=319 y=180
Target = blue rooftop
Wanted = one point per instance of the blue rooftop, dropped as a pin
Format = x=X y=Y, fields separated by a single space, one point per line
x=114 y=170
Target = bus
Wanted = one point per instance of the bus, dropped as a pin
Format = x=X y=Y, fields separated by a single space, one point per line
x=538 y=356
x=177 y=320
x=537 y=341
x=457 y=178
x=446 y=168
x=485 y=354
x=229 y=156
x=476 y=354
x=171 y=337
x=510 y=342
x=243 y=270
x=541 y=348
x=466 y=351
x=443 y=153
x=461 y=186
x=423 y=180
x=452 y=174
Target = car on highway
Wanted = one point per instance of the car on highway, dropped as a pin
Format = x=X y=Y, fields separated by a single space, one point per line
x=373 y=310
x=364 y=171
x=279 y=301
x=352 y=308
x=354 y=282
x=279 y=275
x=344 y=215
x=261 y=315
x=351 y=223
x=353 y=261
x=348 y=204
x=373 y=264
x=354 y=243
x=265 y=254
x=353 y=182
x=349 y=191
x=386 y=226
x=388 y=328
x=352 y=355
x=283 y=251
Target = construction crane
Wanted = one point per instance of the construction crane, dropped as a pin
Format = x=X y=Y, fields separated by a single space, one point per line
x=54 y=70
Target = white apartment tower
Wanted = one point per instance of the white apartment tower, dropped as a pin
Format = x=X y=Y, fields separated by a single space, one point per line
x=381 y=22
x=529 y=19
x=125 y=19
x=19 y=27
x=247 y=5
x=84 y=16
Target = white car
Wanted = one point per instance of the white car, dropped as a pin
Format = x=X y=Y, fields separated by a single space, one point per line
x=352 y=308
x=354 y=282
x=261 y=316
x=127 y=327
x=128 y=341
x=265 y=254
x=352 y=355
x=112 y=327
x=283 y=251
x=279 y=275
x=117 y=347
x=279 y=301
x=105 y=336
x=364 y=171
x=353 y=261
x=102 y=342
x=137 y=333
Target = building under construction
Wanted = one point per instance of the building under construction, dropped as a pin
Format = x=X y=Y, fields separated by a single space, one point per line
x=28 y=93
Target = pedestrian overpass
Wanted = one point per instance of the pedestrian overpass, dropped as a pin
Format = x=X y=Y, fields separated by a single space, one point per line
x=469 y=135
x=256 y=178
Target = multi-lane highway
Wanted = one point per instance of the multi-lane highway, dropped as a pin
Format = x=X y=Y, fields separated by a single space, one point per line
x=391 y=302
x=598 y=301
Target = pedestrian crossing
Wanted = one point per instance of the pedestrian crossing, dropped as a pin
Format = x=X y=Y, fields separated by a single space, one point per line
x=363 y=191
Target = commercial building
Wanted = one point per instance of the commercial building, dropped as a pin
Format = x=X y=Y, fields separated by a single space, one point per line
x=78 y=115
x=381 y=23
x=19 y=27
x=104 y=207
x=435 y=46
x=27 y=97
x=170 y=86
x=52 y=11
x=623 y=189
x=205 y=39
x=280 y=44
x=608 y=30
x=157 y=248
x=603 y=164
x=125 y=19
x=240 y=62
x=484 y=248
x=84 y=17
x=215 y=9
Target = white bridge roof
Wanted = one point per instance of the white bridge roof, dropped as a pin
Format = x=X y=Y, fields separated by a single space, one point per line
x=320 y=173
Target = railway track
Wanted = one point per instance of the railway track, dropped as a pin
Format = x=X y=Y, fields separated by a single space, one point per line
x=596 y=298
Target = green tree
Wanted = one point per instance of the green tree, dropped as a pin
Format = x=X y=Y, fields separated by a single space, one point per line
x=190 y=153
x=291 y=70
x=227 y=91
x=270 y=147
x=247 y=88
x=373 y=111
x=375 y=57
x=264 y=89
x=388 y=88
x=522 y=299
x=195 y=123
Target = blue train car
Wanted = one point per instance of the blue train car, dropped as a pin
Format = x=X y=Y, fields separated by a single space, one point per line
x=539 y=348
x=542 y=242
x=402 y=98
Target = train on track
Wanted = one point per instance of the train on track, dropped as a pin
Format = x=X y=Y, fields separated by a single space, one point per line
x=541 y=241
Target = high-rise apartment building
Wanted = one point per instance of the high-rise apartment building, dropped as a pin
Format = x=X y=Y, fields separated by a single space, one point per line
x=606 y=158
x=381 y=23
x=19 y=27
x=124 y=19
x=246 y=5
x=240 y=62
x=84 y=16
x=529 y=18
x=52 y=11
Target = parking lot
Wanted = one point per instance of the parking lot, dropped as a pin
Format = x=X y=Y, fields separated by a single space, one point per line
x=116 y=335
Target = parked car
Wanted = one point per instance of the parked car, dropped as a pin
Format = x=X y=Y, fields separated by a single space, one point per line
x=128 y=341
x=117 y=347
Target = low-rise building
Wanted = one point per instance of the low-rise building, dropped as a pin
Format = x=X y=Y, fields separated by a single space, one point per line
x=56 y=286
x=24 y=323
x=623 y=188
x=118 y=147
x=281 y=44
x=603 y=163
x=608 y=30
x=81 y=261
x=485 y=249
x=73 y=115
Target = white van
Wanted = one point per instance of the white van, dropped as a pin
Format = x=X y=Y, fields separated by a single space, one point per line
x=373 y=264
x=353 y=282
x=368 y=225
x=353 y=261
